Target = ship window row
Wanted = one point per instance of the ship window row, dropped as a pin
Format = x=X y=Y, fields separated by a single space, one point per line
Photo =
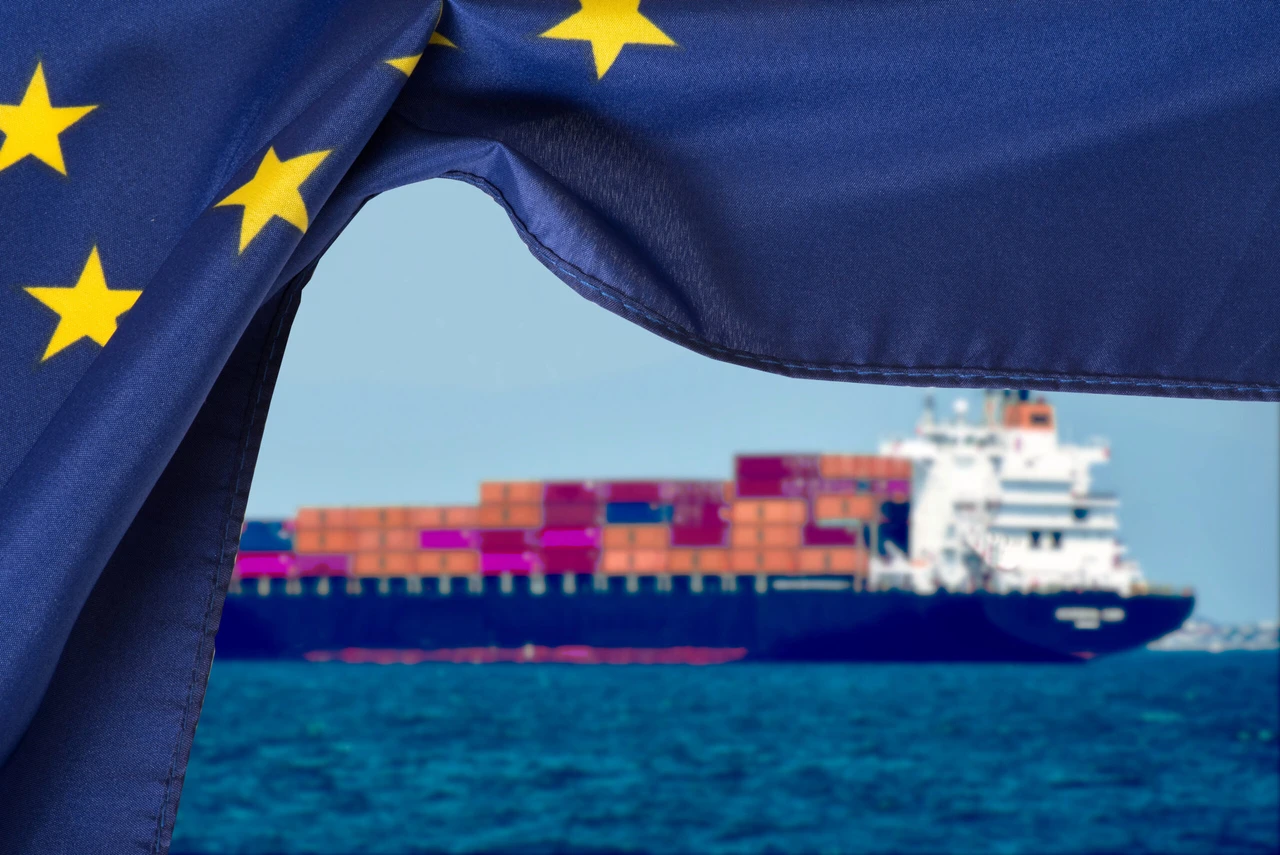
x=1038 y=486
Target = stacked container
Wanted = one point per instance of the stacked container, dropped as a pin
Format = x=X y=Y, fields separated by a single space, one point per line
x=781 y=514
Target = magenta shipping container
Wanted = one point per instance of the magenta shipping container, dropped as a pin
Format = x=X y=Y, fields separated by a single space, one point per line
x=634 y=491
x=569 y=560
x=775 y=488
x=571 y=493
x=504 y=540
x=323 y=565
x=264 y=564
x=698 y=535
x=571 y=515
x=815 y=536
x=575 y=538
x=508 y=562
x=446 y=539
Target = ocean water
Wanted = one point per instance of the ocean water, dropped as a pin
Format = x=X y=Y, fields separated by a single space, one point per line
x=1145 y=752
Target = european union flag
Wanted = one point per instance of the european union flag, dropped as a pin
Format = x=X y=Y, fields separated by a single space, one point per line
x=1079 y=196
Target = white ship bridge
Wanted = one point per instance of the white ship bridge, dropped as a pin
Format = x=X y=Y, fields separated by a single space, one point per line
x=1000 y=503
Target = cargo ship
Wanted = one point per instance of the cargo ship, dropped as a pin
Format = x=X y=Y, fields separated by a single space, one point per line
x=970 y=540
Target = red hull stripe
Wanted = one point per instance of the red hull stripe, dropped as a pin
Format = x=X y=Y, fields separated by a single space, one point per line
x=572 y=655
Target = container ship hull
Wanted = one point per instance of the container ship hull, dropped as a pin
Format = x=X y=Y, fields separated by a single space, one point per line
x=669 y=620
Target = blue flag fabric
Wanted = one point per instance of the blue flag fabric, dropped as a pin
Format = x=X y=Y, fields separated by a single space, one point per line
x=1078 y=196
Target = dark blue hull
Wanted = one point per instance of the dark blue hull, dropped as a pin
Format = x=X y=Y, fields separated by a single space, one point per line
x=747 y=617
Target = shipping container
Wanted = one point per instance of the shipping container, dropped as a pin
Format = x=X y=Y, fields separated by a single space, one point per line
x=384 y=563
x=570 y=537
x=570 y=515
x=772 y=488
x=266 y=536
x=324 y=540
x=650 y=492
x=775 y=467
x=638 y=513
x=863 y=466
x=510 y=516
x=323 y=518
x=762 y=511
x=506 y=540
x=698 y=535
x=509 y=562
x=264 y=564
x=388 y=539
x=451 y=517
x=763 y=536
x=570 y=560
x=840 y=507
x=323 y=565
x=379 y=517
x=442 y=561
x=571 y=493
x=510 y=492
x=838 y=560
x=830 y=536
x=700 y=514
x=698 y=560
x=634 y=560
x=636 y=537
x=762 y=560
x=697 y=492
x=446 y=538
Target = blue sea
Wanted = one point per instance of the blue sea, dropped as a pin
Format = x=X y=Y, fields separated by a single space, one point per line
x=1144 y=752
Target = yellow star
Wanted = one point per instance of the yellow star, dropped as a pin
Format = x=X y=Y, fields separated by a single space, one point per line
x=273 y=192
x=32 y=127
x=405 y=63
x=609 y=25
x=437 y=39
x=87 y=309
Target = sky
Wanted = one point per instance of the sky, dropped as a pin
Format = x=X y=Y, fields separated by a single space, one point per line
x=432 y=352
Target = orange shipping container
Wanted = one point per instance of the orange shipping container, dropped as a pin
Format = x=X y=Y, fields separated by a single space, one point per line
x=379 y=517
x=636 y=537
x=324 y=540
x=443 y=517
x=763 y=560
x=762 y=511
x=384 y=563
x=761 y=536
x=836 y=560
x=395 y=539
x=509 y=516
x=314 y=518
x=454 y=561
x=634 y=560
x=510 y=492
x=698 y=560
x=843 y=507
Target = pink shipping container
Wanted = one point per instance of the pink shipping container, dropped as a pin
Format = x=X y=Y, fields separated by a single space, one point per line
x=579 y=538
x=509 y=562
x=568 y=560
x=571 y=492
x=898 y=485
x=699 y=515
x=264 y=564
x=444 y=538
x=570 y=515
x=323 y=565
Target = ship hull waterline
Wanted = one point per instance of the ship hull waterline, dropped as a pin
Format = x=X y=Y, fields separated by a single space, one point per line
x=639 y=621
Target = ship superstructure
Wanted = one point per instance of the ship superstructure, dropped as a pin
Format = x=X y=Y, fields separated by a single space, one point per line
x=1004 y=504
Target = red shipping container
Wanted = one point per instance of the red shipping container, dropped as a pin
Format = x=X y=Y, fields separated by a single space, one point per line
x=771 y=488
x=689 y=535
x=571 y=493
x=816 y=536
x=776 y=467
x=577 y=538
x=579 y=515
x=634 y=491
x=569 y=560
x=504 y=540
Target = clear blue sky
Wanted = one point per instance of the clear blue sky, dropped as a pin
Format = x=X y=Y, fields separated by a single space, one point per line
x=432 y=351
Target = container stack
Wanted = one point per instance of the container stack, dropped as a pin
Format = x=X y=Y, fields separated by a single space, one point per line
x=782 y=514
